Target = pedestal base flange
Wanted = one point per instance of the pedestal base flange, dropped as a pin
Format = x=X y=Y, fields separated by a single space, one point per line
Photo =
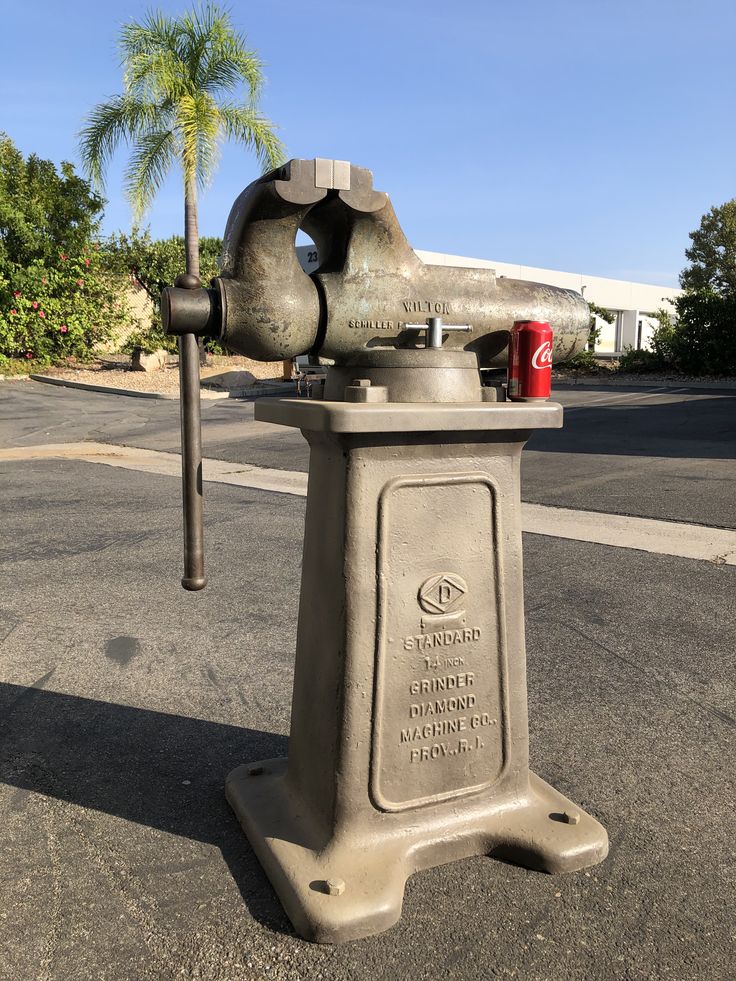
x=353 y=885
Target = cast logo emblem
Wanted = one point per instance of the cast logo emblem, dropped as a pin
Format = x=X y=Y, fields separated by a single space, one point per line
x=440 y=594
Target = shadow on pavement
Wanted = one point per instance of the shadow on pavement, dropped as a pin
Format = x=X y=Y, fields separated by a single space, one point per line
x=163 y=771
x=694 y=429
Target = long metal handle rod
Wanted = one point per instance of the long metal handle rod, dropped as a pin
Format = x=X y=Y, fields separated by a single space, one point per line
x=191 y=463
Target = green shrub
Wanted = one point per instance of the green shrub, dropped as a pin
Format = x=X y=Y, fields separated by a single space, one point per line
x=704 y=339
x=583 y=361
x=637 y=361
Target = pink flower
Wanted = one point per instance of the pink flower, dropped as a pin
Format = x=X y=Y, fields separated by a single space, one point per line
x=63 y=257
x=44 y=280
x=63 y=329
x=80 y=282
x=86 y=262
x=13 y=313
x=29 y=354
x=41 y=313
x=17 y=294
x=35 y=304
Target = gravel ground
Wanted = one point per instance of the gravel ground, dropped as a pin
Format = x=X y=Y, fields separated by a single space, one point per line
x=118 y=374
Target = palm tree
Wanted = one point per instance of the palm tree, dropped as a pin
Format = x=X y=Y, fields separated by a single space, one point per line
x=180 y=78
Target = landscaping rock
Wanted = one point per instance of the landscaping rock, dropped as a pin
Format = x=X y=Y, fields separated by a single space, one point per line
x=143 y=361
x=229 y=381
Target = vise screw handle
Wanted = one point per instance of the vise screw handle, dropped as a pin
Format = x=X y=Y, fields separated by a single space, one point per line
x=191 y=452
x=435 y=329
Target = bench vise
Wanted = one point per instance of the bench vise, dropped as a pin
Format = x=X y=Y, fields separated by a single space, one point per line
x=370 y=283
x=409 y=743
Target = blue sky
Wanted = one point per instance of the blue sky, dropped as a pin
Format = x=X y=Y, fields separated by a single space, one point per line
x=583 y=136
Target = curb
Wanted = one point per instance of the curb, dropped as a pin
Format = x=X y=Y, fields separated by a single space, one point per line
x=105 y=389
x=255 y=390
x=206 y=394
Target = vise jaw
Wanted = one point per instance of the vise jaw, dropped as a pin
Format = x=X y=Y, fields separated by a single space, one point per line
x=369 y=287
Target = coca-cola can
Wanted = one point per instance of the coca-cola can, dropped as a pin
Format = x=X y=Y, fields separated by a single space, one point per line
x=530 y=361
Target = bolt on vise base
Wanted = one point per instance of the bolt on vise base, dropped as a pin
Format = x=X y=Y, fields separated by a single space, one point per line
x=409 y=737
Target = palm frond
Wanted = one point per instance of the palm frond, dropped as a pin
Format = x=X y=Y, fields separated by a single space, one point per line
x=199 y=126
x=224 y=61
x=154 y=62
x=231 y=66
x=246 y=125
x=121 y=119
x=195 y=35
x=155 y=32
x=150 y=162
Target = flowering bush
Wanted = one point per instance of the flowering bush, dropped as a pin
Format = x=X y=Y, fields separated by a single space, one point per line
x=50 y=313
x=57 y=299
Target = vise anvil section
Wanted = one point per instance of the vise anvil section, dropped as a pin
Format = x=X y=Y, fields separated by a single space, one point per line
x=409 y=735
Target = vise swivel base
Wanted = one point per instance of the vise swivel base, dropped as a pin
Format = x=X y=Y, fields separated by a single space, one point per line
x=409 y=739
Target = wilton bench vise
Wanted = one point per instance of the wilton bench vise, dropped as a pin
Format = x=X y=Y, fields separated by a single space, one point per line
x=409 y=737
x=369 y=284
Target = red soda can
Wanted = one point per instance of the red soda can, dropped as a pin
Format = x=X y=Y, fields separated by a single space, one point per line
x=530 y=361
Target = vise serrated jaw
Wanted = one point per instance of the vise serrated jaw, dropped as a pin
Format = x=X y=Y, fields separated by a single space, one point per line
x=333 y=175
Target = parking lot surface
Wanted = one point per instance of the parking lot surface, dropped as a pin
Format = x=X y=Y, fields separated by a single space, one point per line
x=125 y=701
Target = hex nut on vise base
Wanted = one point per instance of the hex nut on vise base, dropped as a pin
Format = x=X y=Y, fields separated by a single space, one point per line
x=362 y=391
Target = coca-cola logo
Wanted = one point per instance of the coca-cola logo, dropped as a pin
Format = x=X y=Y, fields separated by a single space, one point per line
x=542 y=357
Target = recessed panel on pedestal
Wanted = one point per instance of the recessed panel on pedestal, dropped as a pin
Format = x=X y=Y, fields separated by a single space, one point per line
x=439 y=729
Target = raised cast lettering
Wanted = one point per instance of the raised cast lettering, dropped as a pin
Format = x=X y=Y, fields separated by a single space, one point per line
x=441 y=705
x=427 y=685
x=371 y=324
x=441 y=638
x=427 y=306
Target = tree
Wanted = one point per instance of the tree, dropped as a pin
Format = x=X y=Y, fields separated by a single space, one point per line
x=43 y=211
x=153 y=264
x=56 y=300
x=712 y=254
x=180 y=77
x=703 y=340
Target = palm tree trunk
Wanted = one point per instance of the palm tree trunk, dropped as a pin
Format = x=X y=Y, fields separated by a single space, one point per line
x=191 y=240
x=191 y=226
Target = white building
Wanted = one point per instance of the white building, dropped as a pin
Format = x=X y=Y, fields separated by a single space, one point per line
x=632 y=303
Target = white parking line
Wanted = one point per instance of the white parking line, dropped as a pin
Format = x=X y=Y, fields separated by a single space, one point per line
x=621 y=531
x=165 y=464
x=621 y=398
x=707 y=544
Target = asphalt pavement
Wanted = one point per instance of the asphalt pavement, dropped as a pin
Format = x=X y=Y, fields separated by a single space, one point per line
x=655 y=453
x=124 y=702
